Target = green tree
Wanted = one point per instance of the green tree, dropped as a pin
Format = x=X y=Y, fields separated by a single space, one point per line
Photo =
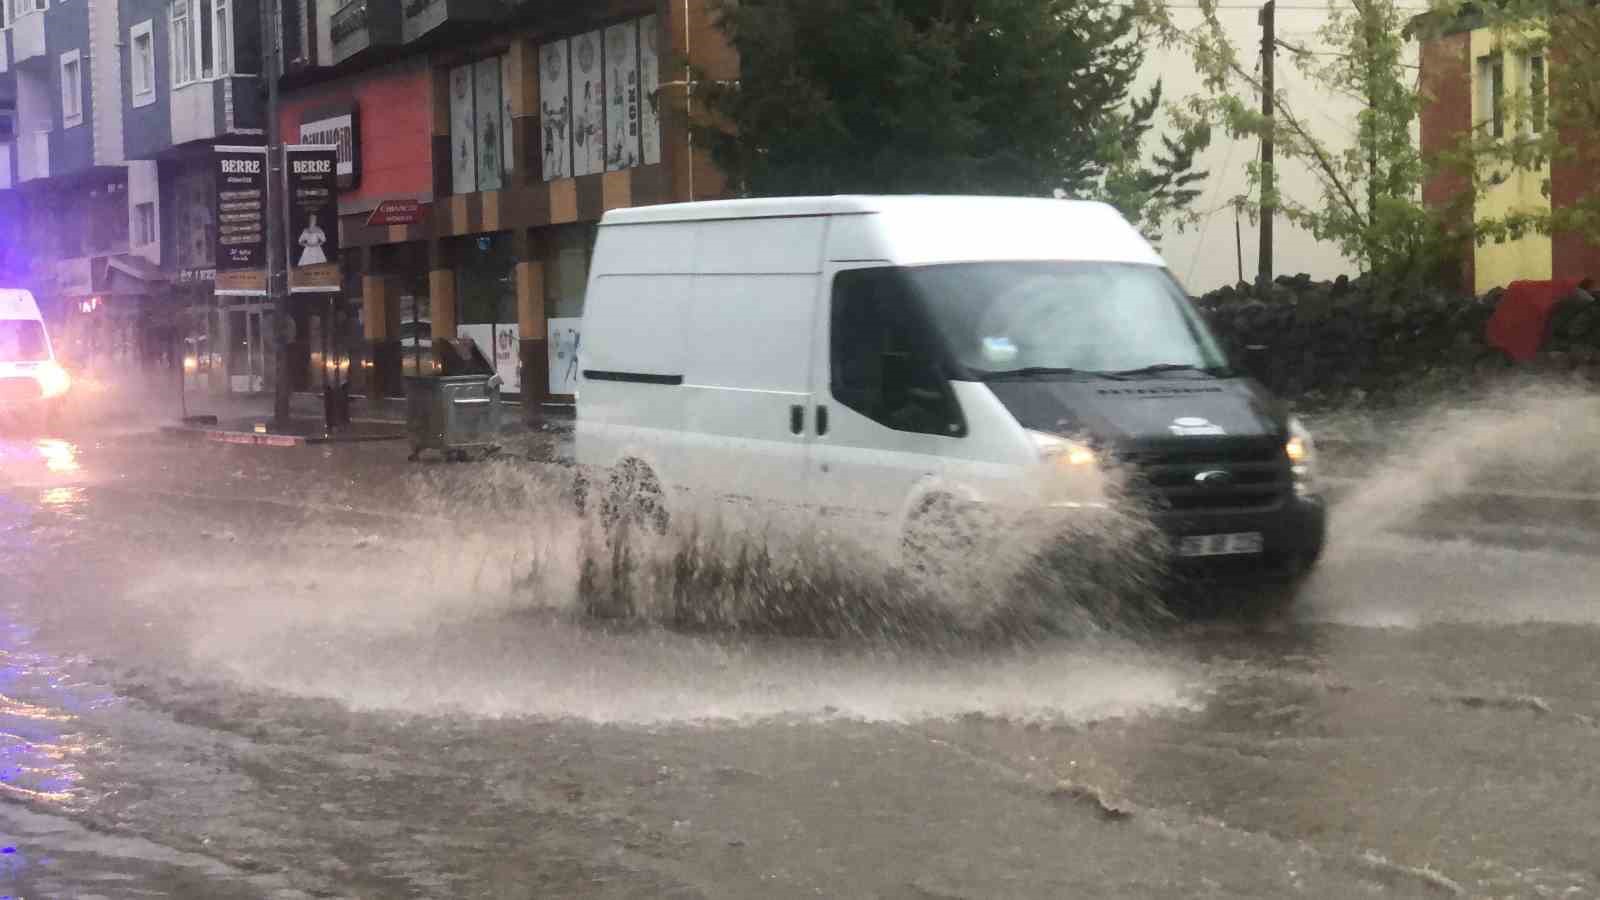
x=946 y=96
x=1369 y=188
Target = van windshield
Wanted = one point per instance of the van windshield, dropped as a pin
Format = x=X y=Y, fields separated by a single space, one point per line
x=1065 y=318
x=22 y=340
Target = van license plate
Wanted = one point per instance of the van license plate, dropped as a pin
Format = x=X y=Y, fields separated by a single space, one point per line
x=1221 y=544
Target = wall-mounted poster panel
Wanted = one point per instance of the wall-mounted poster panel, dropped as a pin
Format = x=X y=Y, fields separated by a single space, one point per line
x=486 y=85
x=622 y=96
x=463 y=146
x=555 y=109
x=589 y=101
x=649 y=91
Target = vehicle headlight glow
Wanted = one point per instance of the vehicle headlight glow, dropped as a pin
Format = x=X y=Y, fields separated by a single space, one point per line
x=53 y=380
x=1063 y=452
x=1302 y=452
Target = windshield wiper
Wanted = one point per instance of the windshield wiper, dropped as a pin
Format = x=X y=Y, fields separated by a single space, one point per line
x=1162 y=368
x=1033 y=371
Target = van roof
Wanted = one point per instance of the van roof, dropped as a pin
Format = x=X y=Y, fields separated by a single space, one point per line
x=17 y=304
x=844 y=204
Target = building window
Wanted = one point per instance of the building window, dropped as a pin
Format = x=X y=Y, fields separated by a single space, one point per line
x=142 y=64
x=1492 y=87
x=207 y=39
x=16 y=9
x=144 y=224
x=182 y=44
x=224 y=35
x=1536 y=93
x=71 y=89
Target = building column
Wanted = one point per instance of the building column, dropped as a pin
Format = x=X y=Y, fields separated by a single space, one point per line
x=533 y=341
x=442 y=291
x=380 y=317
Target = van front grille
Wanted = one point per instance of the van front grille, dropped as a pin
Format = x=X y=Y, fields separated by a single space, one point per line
x=1231 y=475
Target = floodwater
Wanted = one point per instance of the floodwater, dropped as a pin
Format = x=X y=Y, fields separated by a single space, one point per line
x=246 y=672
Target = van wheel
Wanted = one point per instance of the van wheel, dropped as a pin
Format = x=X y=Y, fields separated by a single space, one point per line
x=634 y=495
x=939 y=538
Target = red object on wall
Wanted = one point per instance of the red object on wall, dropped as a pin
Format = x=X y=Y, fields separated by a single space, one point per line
x=395 y=110
x=1522 y=319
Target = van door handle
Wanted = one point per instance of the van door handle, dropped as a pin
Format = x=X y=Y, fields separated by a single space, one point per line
x=822 y=420
x=797 y=419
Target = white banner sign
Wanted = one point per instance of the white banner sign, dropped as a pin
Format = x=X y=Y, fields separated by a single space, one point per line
x=622 y=96
x=555 y=110
x=649 y=87
x=589 y=100
x=563 y=354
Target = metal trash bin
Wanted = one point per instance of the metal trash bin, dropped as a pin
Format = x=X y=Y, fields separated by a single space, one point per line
x=456 y=412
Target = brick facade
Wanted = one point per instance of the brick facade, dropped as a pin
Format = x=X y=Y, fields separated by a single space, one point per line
x=1446 y=121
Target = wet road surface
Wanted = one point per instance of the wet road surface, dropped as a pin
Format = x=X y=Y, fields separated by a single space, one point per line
x=239 y=672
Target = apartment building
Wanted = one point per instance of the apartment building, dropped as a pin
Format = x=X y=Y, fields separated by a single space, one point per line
x=480 y=142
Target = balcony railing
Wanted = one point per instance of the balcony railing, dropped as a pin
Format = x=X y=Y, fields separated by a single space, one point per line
x=363 y=25
x=27 y=39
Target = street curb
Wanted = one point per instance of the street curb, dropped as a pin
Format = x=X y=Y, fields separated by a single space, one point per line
x=250 y=438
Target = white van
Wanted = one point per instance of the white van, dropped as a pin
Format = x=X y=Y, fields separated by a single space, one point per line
x=30 y=377
x=888 y=356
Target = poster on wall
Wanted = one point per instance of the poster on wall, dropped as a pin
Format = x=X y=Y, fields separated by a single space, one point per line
x=240 y=203
x=463 y=146
x=508 y=358
x=486 y=78
x=508 y=124
x=649 y=91
x=589 y=99
x=622 y=96
x=312 y=183
x=563 y=352
x=555 y=110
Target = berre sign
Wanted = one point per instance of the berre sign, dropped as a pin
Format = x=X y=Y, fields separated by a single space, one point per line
x=241 y=215
x=312 y=182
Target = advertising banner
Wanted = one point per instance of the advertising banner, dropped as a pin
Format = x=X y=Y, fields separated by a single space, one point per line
x=622 y=96
x=563 y=352
x=555 y=110
x=589 y=101
x=240 y=176
x=463 y=144
x=508 y=358
x=486 y=81
x=649 y=90
x=311 y=182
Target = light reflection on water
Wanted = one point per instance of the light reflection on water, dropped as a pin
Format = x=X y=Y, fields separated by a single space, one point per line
x=59 y=456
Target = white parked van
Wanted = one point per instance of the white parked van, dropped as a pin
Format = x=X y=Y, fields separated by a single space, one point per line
x=30 y=377
x=885 y=356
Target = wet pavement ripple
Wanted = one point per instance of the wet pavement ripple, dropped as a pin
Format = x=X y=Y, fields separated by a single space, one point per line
x=245 y=672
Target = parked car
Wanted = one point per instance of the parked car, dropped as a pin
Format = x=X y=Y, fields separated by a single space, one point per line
x=897 y=358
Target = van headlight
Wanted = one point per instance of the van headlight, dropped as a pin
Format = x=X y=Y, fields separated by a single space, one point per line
x=53 y=380
x=1063 y=452
x=1302 y=453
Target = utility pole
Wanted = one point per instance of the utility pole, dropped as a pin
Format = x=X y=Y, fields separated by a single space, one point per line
x=277 y=281
x=1269 y=183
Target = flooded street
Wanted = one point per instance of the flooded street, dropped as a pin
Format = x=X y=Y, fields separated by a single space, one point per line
x=248 y=672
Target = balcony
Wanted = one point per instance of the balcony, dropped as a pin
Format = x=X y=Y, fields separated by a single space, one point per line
x=435 y=18
x=27 y=39
x=364 y=25
x=33 y=155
